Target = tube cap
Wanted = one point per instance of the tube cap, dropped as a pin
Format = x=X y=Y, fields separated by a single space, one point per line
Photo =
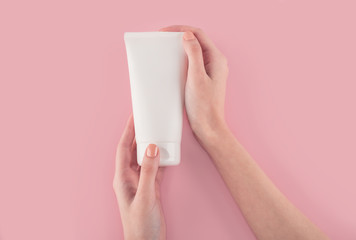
x=169 y=153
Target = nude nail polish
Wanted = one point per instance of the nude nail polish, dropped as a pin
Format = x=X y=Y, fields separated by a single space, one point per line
x=152 y=150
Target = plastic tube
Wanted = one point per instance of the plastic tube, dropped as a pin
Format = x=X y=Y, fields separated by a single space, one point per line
x=157 y=68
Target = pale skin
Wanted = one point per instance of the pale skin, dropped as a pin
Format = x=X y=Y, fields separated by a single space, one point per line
x=267 y=211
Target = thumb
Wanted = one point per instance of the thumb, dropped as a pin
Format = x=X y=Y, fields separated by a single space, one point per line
x=149 y=169
x=195 y=55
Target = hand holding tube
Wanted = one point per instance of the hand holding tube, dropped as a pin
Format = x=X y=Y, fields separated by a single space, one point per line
x=267 y=211
x=206 y=81
x=138 y=189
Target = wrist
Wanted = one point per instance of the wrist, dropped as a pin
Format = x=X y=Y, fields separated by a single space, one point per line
x=132 y=233
x=220 y=144
x=211 y=134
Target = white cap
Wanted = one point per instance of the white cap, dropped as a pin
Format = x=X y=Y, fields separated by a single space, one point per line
x=169 y=152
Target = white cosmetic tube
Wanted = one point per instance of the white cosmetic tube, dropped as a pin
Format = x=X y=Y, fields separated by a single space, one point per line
x=157 y=68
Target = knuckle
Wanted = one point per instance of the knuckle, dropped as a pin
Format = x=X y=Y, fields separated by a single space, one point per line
x=224 y=62
x=226 y=65
x=122 y=147
x=195 y=48
x=199 y=30
x=115 y=184
x=119 y=148
x=223 y=58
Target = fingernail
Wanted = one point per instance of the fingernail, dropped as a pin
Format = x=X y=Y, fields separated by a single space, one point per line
x=188 y=36
x=152 y=150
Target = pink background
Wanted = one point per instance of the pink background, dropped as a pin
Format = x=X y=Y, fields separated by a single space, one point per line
x=64 y=99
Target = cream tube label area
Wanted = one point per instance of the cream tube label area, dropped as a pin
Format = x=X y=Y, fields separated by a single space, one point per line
x=158 y=69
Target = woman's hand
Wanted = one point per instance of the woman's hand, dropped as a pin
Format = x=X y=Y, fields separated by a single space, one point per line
x=206 y=81
x=267 y=211
x=138 y=189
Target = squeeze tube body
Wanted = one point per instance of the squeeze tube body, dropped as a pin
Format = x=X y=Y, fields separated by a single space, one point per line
x=157 y=68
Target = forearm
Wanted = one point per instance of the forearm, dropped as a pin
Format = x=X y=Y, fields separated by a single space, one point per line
x=267 y=211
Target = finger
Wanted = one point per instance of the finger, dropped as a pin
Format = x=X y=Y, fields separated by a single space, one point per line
x=125 y=153
x=128 y=134
x=193 y=49
x=149 y=169
x=133 y=163
x=205 y=42
x=214 y=60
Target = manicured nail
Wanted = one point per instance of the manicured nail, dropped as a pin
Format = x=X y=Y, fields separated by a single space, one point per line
x=188 y=36
x=152 y=150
